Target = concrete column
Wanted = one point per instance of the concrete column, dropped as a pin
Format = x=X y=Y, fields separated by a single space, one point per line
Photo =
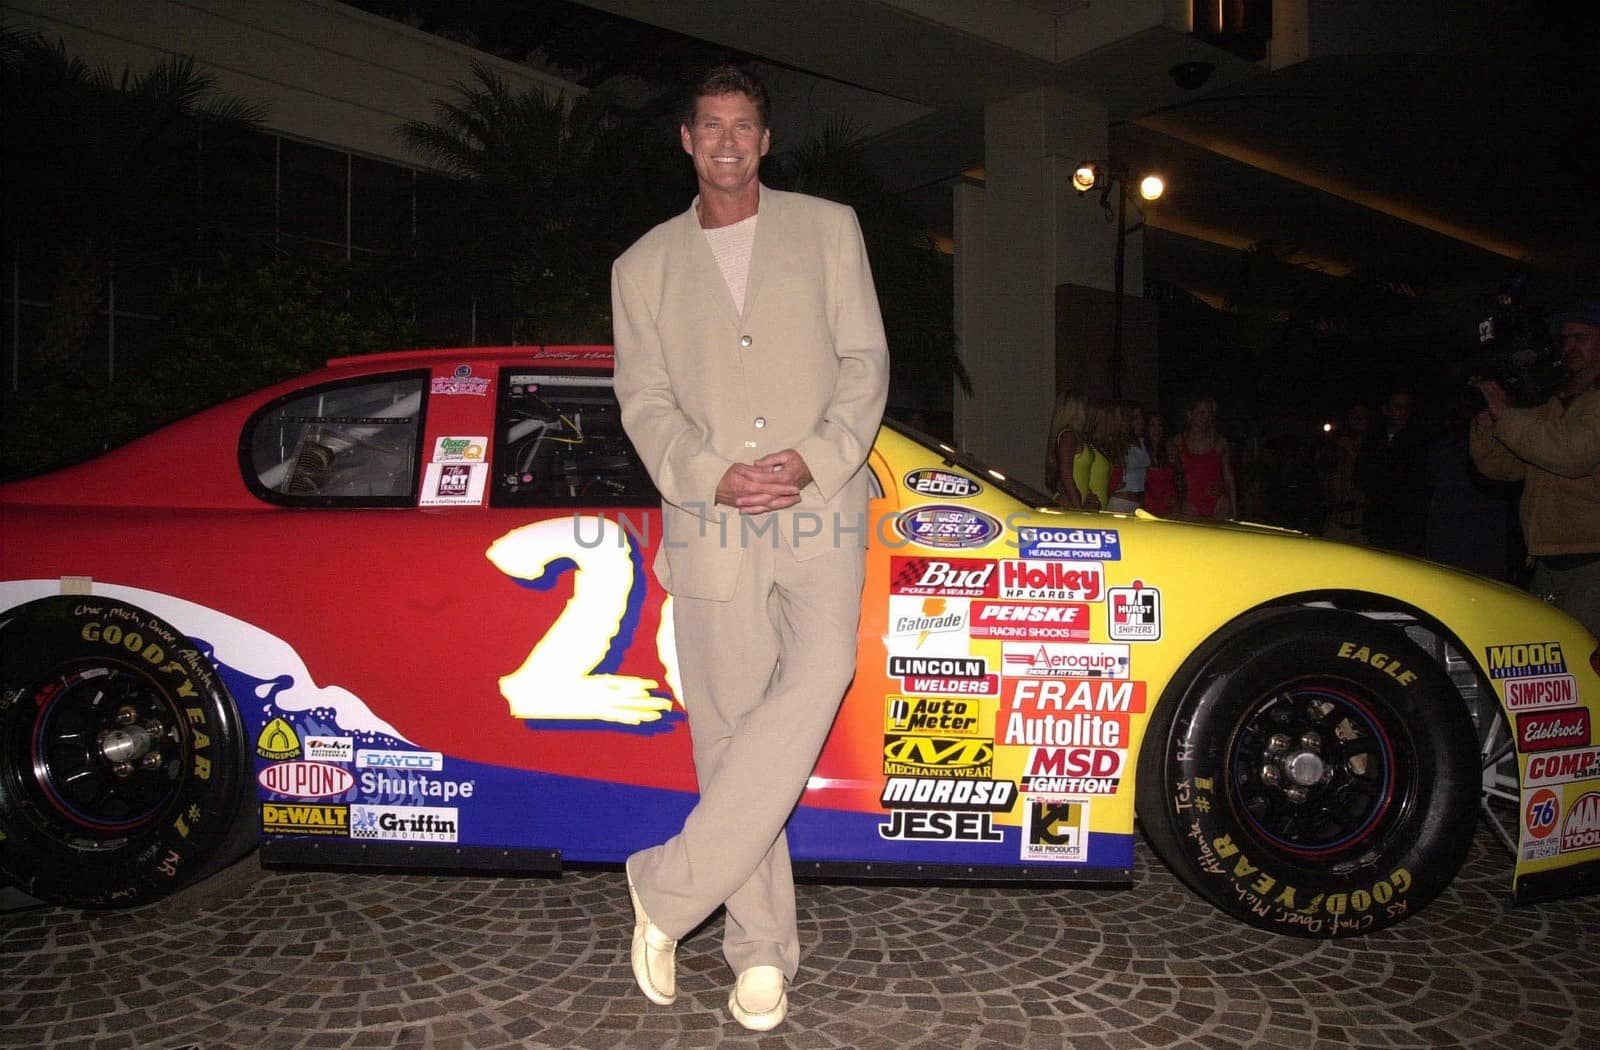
x=1020 y=237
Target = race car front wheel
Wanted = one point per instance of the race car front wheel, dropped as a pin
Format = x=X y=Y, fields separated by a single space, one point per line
x=1312 y=773
x=123 y=769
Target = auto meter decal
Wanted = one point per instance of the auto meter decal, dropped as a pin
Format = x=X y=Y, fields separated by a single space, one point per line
x=941 y=484
x=947 y=528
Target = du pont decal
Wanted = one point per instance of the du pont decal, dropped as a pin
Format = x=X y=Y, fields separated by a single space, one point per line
x=306 y=779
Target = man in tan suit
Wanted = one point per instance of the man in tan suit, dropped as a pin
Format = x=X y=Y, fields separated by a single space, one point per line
x=752 y=369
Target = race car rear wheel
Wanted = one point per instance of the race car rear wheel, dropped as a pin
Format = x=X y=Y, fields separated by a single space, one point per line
x=1311 y=772
x=123 y=769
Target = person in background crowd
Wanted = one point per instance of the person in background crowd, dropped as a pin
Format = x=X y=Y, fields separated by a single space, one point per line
x=1344 y=499
x=1162 y=482
x=1392 y=472
x=1092 y=466
x=1468 y=516
x=1131 y=466
x=1066 y=426
x=1206 y=462
x=1554 y=450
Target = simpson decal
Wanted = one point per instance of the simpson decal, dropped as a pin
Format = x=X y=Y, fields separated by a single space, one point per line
x=1533 y=694
x=1069 y=544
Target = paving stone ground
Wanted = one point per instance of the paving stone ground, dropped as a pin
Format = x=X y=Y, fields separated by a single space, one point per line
x=310 y=959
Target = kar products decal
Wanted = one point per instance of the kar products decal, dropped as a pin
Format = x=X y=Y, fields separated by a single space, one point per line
x=1055 y=828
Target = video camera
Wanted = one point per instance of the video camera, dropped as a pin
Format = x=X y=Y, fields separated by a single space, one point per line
x=1516 y=349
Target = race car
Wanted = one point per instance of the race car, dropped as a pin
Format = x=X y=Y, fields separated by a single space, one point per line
x=398 y=614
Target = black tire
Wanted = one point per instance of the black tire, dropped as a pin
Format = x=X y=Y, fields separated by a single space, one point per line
x=1312 y=773
x=124 y=773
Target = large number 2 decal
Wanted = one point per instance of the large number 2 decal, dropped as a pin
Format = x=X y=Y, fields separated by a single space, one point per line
x=569 y=672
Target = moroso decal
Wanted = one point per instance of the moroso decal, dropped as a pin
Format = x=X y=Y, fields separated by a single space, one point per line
x=936 y=525
x=994 y=796
x=941 y=484
x=1553 y=730
x=1056 y=694
x=1526 y=660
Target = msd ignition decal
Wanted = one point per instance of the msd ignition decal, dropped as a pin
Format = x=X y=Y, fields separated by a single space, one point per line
x=1133 y=614
x=928 y=626
x=1052 y=581
x=405 y=823
x=1581 y=828
x=1055 y=828
x=1070 y=660
x=944 y=675
x=1069 y=544
x=1553 y=730
x=946 y=577
x=570 y=676
x=941 y=484
x=1076 y=732
x=1533 y=694
x=1030 y=621
x=306 y=779
x=1526 y=660
x=947 y=528
x=922 y=714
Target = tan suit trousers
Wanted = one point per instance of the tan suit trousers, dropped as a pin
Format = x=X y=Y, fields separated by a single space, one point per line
x=763 y=675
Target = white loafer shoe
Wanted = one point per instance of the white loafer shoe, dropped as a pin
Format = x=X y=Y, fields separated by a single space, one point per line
x=654 y=955
x=759 y=1000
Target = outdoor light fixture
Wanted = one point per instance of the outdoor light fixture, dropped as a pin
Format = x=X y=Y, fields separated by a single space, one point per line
x=1106 y=177
x=1085 y=177
x=1151 y=187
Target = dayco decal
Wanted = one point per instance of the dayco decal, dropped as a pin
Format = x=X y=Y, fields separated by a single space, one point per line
x=1581 y=829
x=404 y=823
x=1526 y=660
x=1050 y=730
x=1052 y=581
x=1553 y=730
x=421 y=761
x=1030 y=621
x=929 y=481
x=906 y=755
x=281 y=818
x=1564 y=767
x=916 y=714
x=1056 y=694
x=1378 y=661
x=306 y=779
x=951 y=577
x=946 y=527
x=1069 y=660
x=416 y=787
x=918 y=825
x=1532 y=694
x=1075 y=762
x=1055 y=828
x=1133 y=614
x=277 y=741
x=991 y=796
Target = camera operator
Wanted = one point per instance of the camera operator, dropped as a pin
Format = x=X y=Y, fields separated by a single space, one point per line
x=1554 y=449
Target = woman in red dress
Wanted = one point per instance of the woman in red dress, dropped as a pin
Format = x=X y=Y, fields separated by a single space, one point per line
x=1202 y=454
x=1162 y=493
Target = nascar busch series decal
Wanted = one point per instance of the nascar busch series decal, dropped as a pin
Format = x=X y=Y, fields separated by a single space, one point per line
x=946 y=528
x=926 y=714
x=1532 y=694
x=944 y=675
x=1052 y=581
x=1133 y=614
x=1069 y=544
x=1553 y=730
x=1526 y=660
x=949 y=577
x=1030 y=621
x=1068 y=660
x=1581 y=828
x=945 y=484
x=1055 y=828
x=976 y=796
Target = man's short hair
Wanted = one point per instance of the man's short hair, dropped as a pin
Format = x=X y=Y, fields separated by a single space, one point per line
x=729 y=79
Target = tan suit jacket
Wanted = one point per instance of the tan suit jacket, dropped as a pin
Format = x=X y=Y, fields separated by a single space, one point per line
x=702 y=386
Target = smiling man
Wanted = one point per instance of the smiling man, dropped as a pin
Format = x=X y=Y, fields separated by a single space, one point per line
x=752 y=370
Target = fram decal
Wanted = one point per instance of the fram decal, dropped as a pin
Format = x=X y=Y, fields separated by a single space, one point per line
x=950 y=577
x=1526 y=660
x=1056 y=694
x=1070 y=544
x=941 y=484
x=936 y=525
x=1532 y=694
x=1553 y=730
